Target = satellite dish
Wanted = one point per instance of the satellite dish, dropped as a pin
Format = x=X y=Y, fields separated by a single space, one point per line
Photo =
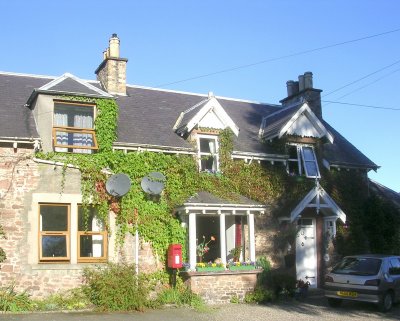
x=118 y=185
x=153 y=183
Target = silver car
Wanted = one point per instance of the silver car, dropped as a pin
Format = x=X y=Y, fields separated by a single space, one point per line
x=368 y=278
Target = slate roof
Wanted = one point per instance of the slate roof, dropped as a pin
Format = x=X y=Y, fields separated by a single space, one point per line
x=385 y=192
x=147 y=117
x=16 y=120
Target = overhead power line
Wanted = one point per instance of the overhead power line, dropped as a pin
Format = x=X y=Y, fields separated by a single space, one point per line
x=360 y=105
x=369 y=84
x=362 y=78
x=278 y=58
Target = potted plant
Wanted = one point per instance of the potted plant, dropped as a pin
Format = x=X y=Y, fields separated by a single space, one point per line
x=235 y=253
x=301 y=289
x=203 y=248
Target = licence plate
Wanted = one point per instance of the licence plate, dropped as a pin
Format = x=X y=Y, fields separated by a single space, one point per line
x=347 y=294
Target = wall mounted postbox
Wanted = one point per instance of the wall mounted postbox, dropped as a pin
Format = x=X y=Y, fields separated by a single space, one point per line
x=175 y=256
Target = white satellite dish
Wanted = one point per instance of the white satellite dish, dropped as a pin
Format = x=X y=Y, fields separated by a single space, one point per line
x=153 y=183
x=118 y=185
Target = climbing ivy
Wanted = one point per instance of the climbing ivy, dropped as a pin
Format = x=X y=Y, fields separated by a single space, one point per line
x=154 y=219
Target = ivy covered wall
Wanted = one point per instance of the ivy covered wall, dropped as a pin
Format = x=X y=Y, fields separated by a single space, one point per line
x=263 y=182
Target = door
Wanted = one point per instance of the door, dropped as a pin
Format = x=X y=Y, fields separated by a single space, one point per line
x=306 y=253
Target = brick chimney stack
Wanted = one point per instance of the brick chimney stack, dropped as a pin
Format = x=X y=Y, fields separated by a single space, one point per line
x=303 y=89
x=112 y=71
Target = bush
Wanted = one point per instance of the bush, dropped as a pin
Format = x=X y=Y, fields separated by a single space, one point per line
x=281 y=283
x=259 y=295
x=12 y=301
x=180 y=296
x=115 y=287
x=265 y=264
x=74 y=299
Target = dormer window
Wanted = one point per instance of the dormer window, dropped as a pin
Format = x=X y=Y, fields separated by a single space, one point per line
x=302 y=161
x=73 y=127
x=207 y=146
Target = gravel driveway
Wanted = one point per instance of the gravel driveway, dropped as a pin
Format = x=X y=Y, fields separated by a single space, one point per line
x=312 y=308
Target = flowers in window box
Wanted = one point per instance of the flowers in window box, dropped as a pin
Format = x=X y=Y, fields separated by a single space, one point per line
x=209 y=267
x=237 y=266
x=203 y=248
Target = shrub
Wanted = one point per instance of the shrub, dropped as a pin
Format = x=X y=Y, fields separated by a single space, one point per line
x=180 y=296
x=115 y=287
x=281 y=283
x=74 y=299
x=259 y=295
x=265 y=264
x=12 y=301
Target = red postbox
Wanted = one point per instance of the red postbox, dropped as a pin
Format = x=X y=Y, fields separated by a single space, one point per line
x=175 y=256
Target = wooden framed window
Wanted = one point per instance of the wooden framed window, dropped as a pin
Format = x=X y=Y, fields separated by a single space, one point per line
x=92 y=236
x=208 y=153
x=54 y=232
x=73 y=127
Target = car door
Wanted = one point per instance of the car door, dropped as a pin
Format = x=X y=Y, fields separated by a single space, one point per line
x=394 y=272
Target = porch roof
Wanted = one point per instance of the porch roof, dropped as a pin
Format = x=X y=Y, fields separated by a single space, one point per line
x=206 y=203
x=319 y=199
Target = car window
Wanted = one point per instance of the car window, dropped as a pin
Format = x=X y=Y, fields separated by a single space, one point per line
x=395 y=263
x=358 y=266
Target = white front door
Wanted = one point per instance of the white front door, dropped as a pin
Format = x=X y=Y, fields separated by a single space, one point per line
x=306 y=253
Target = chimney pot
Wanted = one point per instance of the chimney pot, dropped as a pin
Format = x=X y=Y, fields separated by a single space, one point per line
x=301 y=82
x=308 y=80
x=290 y=87
x=114 y=46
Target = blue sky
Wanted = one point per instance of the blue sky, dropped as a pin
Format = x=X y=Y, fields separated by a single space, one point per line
x=169 y=41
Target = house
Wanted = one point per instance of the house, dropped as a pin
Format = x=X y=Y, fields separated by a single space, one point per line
x=46 y=121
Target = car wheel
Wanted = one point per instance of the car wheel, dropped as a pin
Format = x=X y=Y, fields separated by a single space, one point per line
x=386 y=303
x=334 y=303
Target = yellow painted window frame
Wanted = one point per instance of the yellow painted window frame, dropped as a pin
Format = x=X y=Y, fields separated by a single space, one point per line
x=104 y=234
x=55 y=233
x=74 y=130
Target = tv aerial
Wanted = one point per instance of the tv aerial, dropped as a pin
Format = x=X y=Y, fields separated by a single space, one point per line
x=153 y=183
x=118 y=185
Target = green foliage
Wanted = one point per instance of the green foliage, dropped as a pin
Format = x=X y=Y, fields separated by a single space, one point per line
x=115 y=288
x=180 y=296
x=280 y=283
x=265 y=264
x=3 y=255
x=234 y=299
x=12 y=301
x=259 y=295
x=74 y=299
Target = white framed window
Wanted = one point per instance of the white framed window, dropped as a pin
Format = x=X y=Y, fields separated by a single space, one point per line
x=302 y=161
x=207 y=146
x=73 y=127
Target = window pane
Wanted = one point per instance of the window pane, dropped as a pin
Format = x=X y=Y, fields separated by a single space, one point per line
x=311 y=169
x=54 y=246
x=206 y=145
x=74 y=139
x=53 y=218
x=308 y=154
x=208 y=163
x=91 y=246
x=93 y=223
x=73 y=116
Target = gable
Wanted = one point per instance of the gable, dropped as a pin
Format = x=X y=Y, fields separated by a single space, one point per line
x=208 y=113
x=304 y=127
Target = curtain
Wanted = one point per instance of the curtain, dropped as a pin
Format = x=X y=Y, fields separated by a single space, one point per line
x=61 y=119
x=83 y=121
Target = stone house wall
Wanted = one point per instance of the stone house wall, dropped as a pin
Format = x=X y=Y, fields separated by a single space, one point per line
x=221 y=287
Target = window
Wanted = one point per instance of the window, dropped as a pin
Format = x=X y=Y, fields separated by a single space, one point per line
x=92 y=237
x=54 y=232
x=302 y=160
x=73 y=126
x=208 y=153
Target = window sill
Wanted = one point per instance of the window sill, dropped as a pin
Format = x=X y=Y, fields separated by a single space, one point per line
x=61 y=266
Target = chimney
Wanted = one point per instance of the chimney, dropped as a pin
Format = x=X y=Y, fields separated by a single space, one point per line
x=304 y=90
x=112 y=71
